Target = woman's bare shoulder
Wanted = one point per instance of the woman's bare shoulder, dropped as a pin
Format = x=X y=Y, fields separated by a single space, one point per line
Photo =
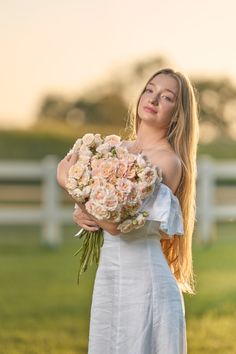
x=171 y=166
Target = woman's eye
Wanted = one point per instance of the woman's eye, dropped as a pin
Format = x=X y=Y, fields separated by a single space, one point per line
x=166 y=98
x=147 y=90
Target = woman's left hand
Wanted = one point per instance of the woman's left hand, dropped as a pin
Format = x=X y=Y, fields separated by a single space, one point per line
x=63 y=168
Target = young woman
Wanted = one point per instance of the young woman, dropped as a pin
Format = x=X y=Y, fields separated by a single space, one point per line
x=138 y=305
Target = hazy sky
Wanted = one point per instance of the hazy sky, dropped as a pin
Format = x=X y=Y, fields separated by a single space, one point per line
x=64 y=45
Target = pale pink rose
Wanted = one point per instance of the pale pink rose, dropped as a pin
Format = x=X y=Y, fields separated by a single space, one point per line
x=76 y=146
x=111 y=202
x=112 y=140
x=103 y=149
x=88 y=140
x=135 y=193
x=112 y=179
x=115 y=216
x=131 y=172
x=77 y=194
x=84 y=159
x=145 y=189
x=77 y=170
x=122 y=168
x=108 y=167
x=84 y=180
x=121 y=152
x=132 y=209
x=84 y=150
x=131 y=158
x=124 y=185
x=126 y=226
x=140 y=221
x=122 y=197
x=99 y=194
x=148 y=175
x=86 y=192
x=98 y=181
x=71 y=183
x=98 y=139
x=141 y=161
x=97 y=210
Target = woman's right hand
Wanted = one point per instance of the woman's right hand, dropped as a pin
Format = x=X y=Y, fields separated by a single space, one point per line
x=84 y=220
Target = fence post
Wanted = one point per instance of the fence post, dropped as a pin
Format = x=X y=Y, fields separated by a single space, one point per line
x=51 y=230
x=205 y=202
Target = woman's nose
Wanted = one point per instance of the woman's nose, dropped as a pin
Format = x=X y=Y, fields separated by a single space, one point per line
x=154 y=100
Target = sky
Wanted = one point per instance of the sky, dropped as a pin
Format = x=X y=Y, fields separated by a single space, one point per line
x=63 y=46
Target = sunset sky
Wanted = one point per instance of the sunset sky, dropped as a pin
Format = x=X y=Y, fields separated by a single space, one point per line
x=62 y=46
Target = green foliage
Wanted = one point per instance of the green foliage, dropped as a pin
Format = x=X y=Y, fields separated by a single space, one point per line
x=43 y=310
x=57 y=139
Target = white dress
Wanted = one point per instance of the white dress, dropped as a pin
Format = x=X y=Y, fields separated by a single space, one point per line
x=137 y=305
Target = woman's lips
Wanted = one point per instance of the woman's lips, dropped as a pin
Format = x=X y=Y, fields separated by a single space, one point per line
x=149 y=109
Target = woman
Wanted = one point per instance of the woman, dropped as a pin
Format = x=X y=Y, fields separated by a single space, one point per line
x=137 y=305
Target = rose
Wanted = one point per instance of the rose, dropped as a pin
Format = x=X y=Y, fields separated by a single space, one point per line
x=139 y=221
x=125 y=226
x=121 y=152
x=103 y=149
x=98 y=139
x=71 y=183
x=122 y=168
x=76 y=171
x=99 y=194
x=124 y=185
x=84 y=150
x=148 y=175
x=111 y=202
x=84 y=180
x=112 y=140
x=108 y=167
x=97 y=210
x=131 y=172
x=84 y=159
x=88 y=140
x=145 y=189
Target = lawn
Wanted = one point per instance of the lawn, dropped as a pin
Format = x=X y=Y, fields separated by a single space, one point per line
x=43 y=311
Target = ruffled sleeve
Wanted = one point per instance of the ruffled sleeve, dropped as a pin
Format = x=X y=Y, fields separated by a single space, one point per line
x=164 y=206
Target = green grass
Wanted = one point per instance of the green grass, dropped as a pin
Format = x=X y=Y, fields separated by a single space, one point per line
x=42 y=310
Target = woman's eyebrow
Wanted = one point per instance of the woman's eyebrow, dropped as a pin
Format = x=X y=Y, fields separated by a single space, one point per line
x=150 y=83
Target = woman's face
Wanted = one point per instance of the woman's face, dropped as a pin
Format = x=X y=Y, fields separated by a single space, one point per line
x=158 y=101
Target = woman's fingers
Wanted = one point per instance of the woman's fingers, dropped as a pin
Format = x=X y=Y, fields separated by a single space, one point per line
x=89 y=228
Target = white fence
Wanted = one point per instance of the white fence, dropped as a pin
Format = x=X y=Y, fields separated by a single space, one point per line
x=208 y=211
x=51 y=214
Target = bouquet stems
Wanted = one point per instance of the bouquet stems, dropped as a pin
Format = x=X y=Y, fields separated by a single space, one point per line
x=90 y=249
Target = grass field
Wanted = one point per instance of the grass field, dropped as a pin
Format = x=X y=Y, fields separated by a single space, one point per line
x=43 y=311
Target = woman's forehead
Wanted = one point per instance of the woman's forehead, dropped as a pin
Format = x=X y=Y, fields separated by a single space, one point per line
x=165 y=82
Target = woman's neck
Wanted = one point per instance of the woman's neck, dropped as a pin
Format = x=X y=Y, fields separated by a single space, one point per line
x=149 y=138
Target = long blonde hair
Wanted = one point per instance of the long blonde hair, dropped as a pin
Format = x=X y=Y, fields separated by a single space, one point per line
x=183 y=135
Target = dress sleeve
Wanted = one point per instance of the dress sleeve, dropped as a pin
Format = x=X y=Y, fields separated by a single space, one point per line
x=164 y=206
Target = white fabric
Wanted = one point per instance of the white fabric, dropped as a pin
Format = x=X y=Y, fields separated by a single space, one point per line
x=137 y=305
x=164 y=206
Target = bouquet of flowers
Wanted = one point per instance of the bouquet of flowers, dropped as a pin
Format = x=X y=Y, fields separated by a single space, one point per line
x=111 y=183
